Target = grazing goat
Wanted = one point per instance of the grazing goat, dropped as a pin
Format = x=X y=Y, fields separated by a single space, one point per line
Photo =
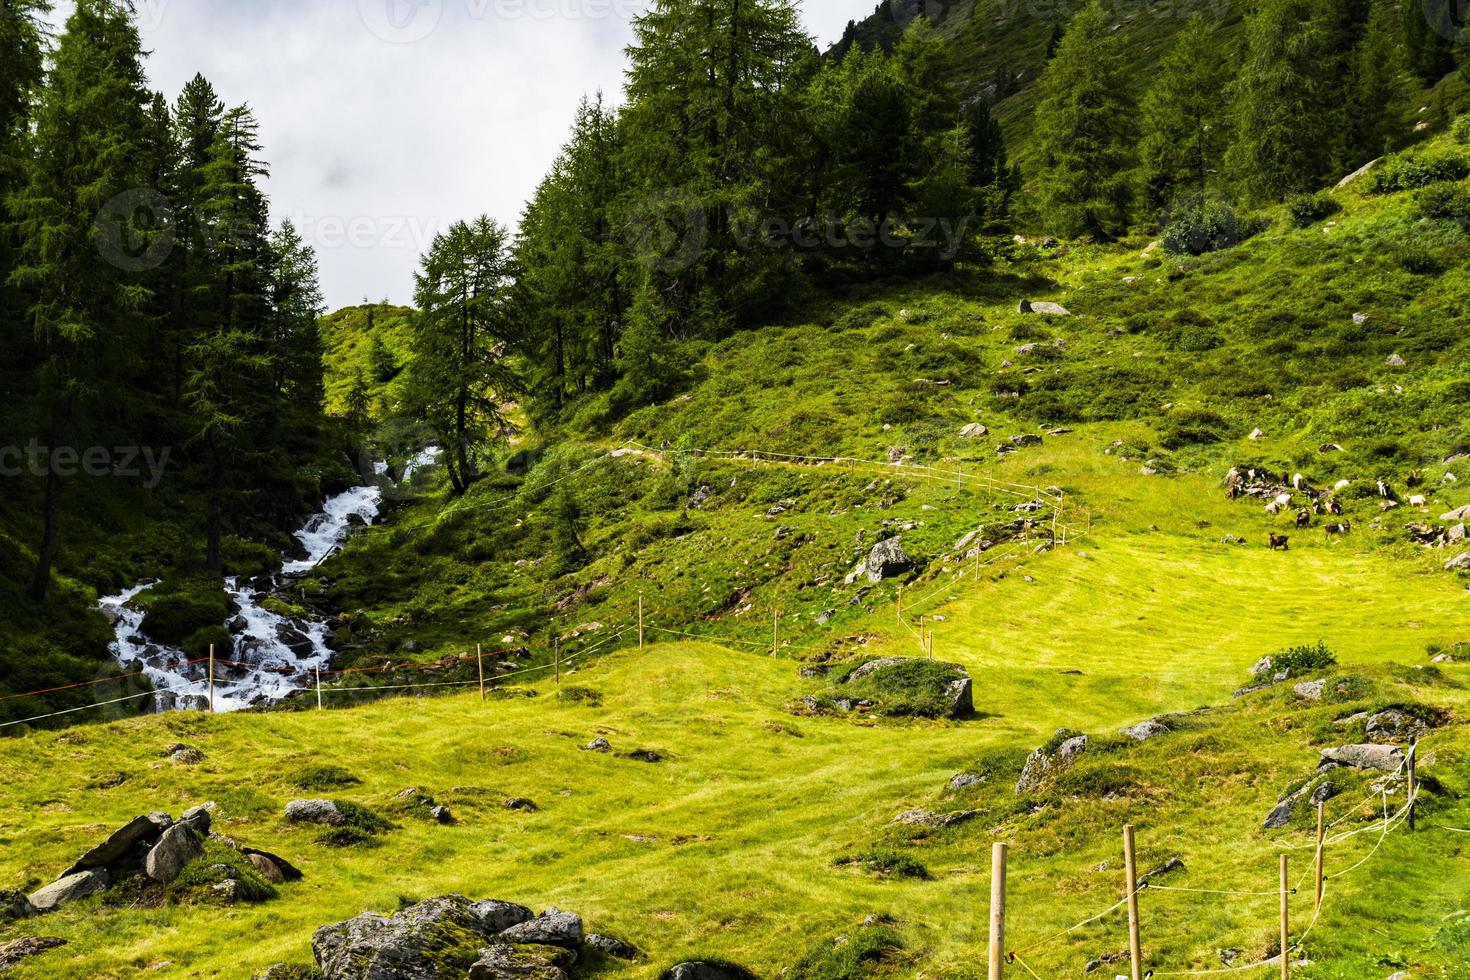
x=1337 y=530
x=1385 y=491
x=1418 y=500
x=1303 y=518
x=1279 y=542
x=1334 y=507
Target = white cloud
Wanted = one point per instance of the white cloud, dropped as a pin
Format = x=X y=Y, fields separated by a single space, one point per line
x=384 y=120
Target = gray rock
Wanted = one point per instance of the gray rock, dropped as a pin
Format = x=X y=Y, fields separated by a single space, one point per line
x=268 y=869
x=1396 y=360
x=974 y=431
x=965 y=780
x=441 y=814
x=501 y=962
x=1144 y=730
x=520 y=803
x=12 y=953
x=177 y=847
x=615 y=948
x=187 y=756
x=1309 y=690
x=495 y=916
x=403 y=946
x=1280 y=814
x=928 y=818
x=1458 y=515
x=71 y=888
x=1386 y=758
x=288 y=870
x=1044 y=309
x=698 y=497
x=598 y=744
x=123 y=842
x=825 y=616
x=1394 y=726
x=1459 y=563
x=551 y=928
x=699 y=970
x=1040 y=765
x=886 y=560
x=323 y=812
x=199 y=817
x=14 y=905
x=873 y=666
x=1262 y=666
x=227 y=891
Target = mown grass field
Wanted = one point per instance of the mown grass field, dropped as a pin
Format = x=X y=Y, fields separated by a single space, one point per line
x=728 y=845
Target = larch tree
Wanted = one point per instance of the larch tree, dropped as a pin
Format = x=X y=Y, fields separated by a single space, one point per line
x=1185 y=120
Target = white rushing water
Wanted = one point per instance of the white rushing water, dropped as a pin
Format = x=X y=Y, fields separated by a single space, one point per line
x=272 y=655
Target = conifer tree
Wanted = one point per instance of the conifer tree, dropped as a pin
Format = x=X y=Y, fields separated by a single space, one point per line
x=86 y=153
x=1184 y=120
x=1084 y=131
x=463 y=335
x=1429 y=31
x=1375 y=82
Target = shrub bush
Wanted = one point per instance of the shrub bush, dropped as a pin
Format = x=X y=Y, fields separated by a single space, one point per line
x=1405 y=173
x=1461 y=129
x=1444 y=202
x=850 y=960
x=886 y=862
x=1200 y=227
x=323 y=777
x=1308 y=209
x=1301 y=659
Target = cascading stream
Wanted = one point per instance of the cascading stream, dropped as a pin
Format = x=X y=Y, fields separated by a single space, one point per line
x=273 y=654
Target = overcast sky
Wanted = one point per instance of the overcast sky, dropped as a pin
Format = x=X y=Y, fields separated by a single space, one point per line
x=385 y=120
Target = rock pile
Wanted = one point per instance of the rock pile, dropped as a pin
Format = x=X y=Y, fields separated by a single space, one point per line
x=1048 y=761
x=486 y=940
x=154 y=846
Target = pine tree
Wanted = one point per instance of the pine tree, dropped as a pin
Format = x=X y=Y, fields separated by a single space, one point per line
x=1375 y=82
x=993 y=180
x=1184 y=120
x=294 y=338
x=1429 y=30
x=463 y=335
x=86 y=154
x=381 y=362
x=1084 y=132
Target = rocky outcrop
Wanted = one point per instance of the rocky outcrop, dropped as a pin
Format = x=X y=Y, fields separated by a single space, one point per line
x=1315 y=790
x=179 y=845
x=1144 y=730
x=140 y=832
x=1042 y=764
x=12 y=953
x=14 y=905
x=1393 y=725
x=1386 y=758
x=958 y=693
x=886 y=560
x=323 y=812
x=928 y=818
x=700 y=970
x=70 y=888
x=494 y=940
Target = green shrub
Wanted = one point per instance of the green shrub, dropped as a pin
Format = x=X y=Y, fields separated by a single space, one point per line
x=1449 y=202
x=1302 y=659
x=220 y=862
x=886 y=862
x=580 y=695
x=1200 y=227
x=1192 y=427
x=323 y=778
x=1308 y=209
x=1410 y=171
x=1461 y=129
x=850 y=960
x=910 y=689
x=173 y=616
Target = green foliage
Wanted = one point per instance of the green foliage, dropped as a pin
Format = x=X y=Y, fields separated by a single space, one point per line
x=322 y=777
x=1299 y=660
x=579 y=695
x=1449 y=202
x=1308 y=209
x=1461 y=129
x=1184 y=132
x=183 y=607
x=909 y=689
x=1412 y=170
x=856 y=957
x=220 y=862
x=1201 y=225
x=1084 y=140
x=887 y=863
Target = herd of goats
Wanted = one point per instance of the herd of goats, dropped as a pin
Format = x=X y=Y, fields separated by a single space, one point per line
x=1280 y=490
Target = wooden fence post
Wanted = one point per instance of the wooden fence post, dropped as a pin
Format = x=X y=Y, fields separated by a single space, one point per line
x=1321 y=830
x=775 y=631
x=318 y=687
x=1285 y=925
x=556 y=657
x=997 y=910
x=640 y=620
x=211 y=678
x=1413 y=778
x=480 y=662
x=1130 y=876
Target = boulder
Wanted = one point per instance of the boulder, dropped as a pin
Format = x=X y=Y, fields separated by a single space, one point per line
x=598 y=744
x=974 y=431
x=14 y=905
x=961 y=696
x=496 y=916
x=1458 y=515
x=886 y=560
x=323 y=812
x=700 y=970
x=609 y=946
x=12 y=953
x=551 y=928
x=199 y=817
x=1387 y=758
x=965 y=780
x=1396 y=361
x=287 y=869
x=177 y=847
x=1041 y=764
x=187 y=756
x=501 y=962
x=404 y=946
x=1459 y=563
x=69 y=888
x=1043 y=308
x=1358 y=173
x=132 y=837
x=268 y=869
x=1309 y=690
x=1144 y=730
x=1393 y=725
